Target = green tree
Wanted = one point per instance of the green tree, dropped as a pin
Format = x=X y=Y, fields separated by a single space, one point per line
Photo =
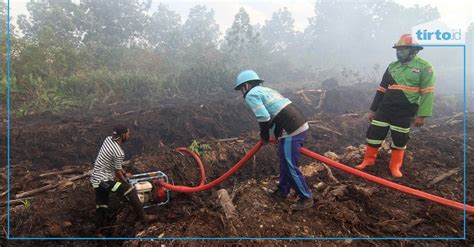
x=3 y=52
x=114 y=23
x=200 y=29
x=3 y=18
x=242 y=39
x=278 y=33
x=54 y=23
x=3 y=39
x=165 y=31
x=52 y=35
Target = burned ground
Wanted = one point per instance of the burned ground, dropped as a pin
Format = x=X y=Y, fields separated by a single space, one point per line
x=345 y=206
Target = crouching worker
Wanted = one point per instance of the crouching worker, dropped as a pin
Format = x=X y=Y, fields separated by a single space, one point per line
x=274 y=110
x=107 y=167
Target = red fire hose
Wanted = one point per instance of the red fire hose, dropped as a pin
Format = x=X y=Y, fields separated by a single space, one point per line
x=372 y=178
x=198 y=160
x=386 y=183
x=236 y=167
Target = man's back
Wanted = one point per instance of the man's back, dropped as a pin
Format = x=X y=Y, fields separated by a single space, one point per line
x=108 y=160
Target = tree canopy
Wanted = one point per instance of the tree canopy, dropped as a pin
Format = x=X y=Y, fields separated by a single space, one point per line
x=86 y=52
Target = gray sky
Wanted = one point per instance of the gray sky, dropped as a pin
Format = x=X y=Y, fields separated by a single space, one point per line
x=453 y=12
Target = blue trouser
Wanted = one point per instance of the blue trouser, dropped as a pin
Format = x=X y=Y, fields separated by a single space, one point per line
x=290 y=175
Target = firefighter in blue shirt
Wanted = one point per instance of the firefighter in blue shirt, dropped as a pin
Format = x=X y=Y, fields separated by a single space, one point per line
x=275 y=111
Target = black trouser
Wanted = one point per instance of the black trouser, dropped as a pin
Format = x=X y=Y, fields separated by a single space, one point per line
x=397 y=119
x=102 y=199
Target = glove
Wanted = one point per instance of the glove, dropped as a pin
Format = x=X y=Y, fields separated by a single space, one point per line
x=264 y=131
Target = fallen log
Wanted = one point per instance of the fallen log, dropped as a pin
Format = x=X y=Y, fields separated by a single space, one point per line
x=232 y=222
x=32 y=192
x=226 y=203
x=51 y=186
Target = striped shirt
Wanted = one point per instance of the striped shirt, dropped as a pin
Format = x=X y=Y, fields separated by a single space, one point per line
x=110 y=158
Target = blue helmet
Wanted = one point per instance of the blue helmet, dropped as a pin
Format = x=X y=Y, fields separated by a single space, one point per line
x=246 y=76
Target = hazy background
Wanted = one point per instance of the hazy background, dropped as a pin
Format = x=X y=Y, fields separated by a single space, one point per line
x=87 y=52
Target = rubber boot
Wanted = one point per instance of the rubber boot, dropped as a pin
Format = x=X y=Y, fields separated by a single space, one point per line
x=277 y=195
x=369 y=158
x=100 y=218
x=302 y=204
x=137 y=205
x=102 y=221
x=396 y=162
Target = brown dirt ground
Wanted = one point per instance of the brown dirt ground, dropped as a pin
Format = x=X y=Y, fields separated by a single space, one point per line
x=349 y=207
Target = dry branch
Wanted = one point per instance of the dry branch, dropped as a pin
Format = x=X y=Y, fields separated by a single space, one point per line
x=88 y=141
x=15 y=202
x=32 y=192
x=330 y=174
x=254 y=166
x=4 y=193
x=222 y=140
x=443 y=176
x=321 y=100
x=412 y=224
x=128 y=113
x=449 y=117
x=72 y=170
x=51 y=186
x=327 y=129
x=339 y=190
x=306 y=99
x=309 y=90
x=350 y=115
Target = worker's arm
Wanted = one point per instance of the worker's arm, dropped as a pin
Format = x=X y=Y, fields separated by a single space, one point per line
x=119 y=172
x=254 y=102
x=264 y=130
x=121 y=175
x=380 y=93
x=427 y=80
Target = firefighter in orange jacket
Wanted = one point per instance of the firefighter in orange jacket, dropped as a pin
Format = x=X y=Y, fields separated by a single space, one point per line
x=406 y=92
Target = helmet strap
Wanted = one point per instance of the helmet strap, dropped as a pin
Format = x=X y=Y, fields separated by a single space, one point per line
x=246 y=88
